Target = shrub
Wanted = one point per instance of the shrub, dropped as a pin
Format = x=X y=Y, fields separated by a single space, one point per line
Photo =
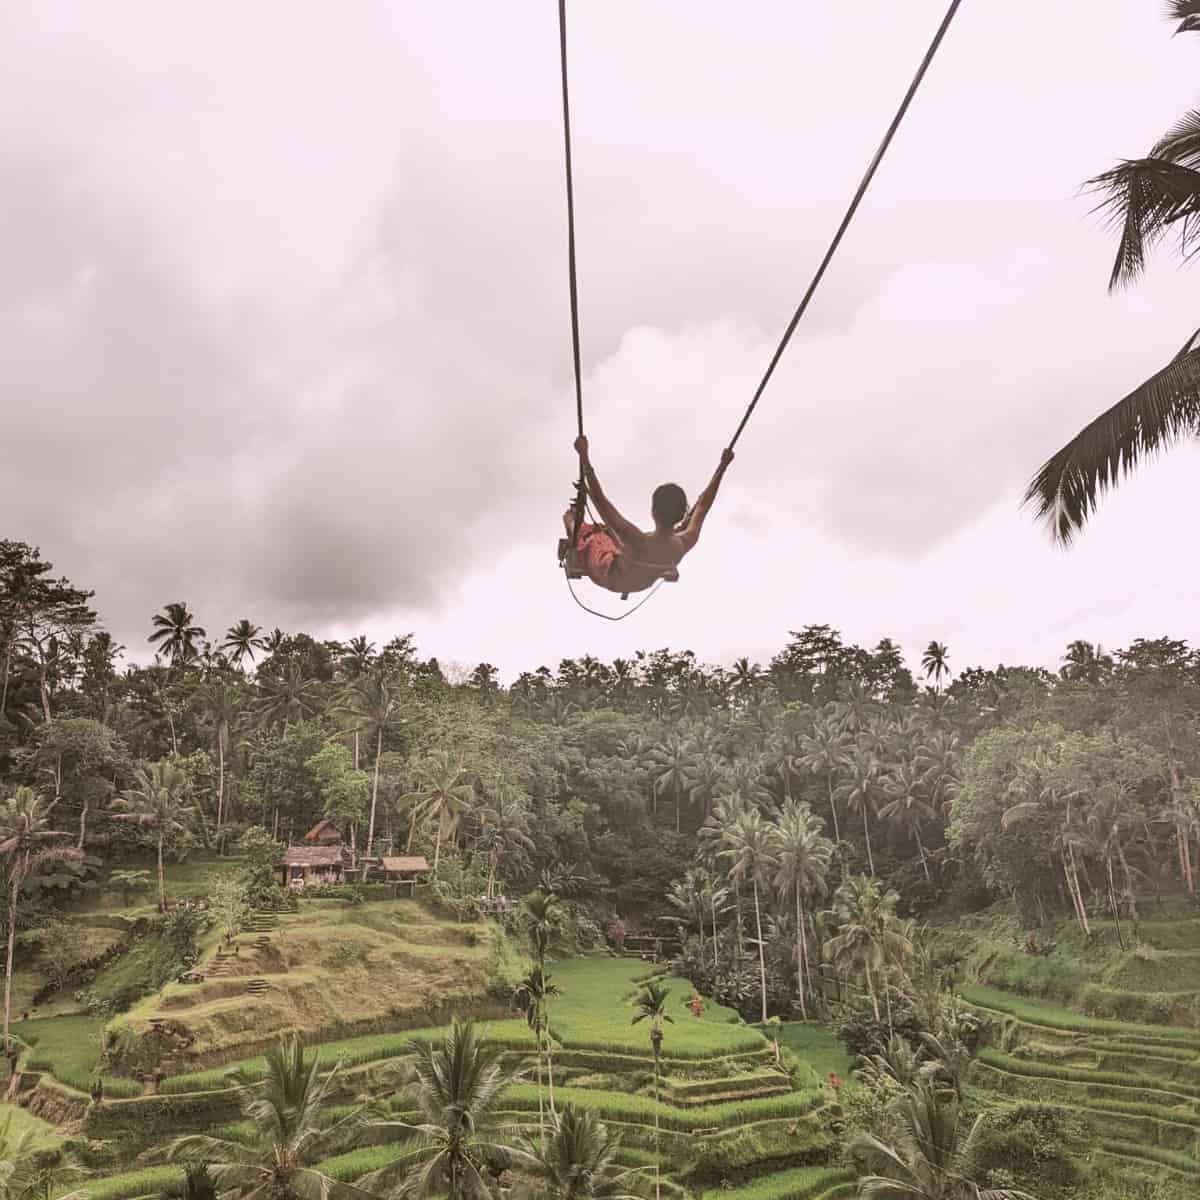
x=1028 y=1144
x=506 y=968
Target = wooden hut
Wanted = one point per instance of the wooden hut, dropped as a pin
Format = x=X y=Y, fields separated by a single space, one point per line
x=405 y=869
x=310 y=866
x=324 y=833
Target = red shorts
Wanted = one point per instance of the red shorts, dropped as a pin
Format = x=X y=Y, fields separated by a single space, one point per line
x=598 y=551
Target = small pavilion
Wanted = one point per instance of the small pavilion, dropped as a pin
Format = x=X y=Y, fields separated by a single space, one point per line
x=405 y=869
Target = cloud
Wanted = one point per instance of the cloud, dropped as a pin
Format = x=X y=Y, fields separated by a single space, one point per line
x=283 y=317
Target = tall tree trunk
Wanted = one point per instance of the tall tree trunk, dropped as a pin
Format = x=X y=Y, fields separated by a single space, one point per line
x=220 y=781
x=800 y=955
x=162 y=879
x=867 y=835
x=762 y=958
x=374 y=792
x=1112 y=900
x=657 y=1154
x=83 y=816
x=44 y=689
x=437 y=846
x=871 y=989
x=412 y=827
x=712 y=895
x=549 y=1060
x=1185 y=856
x=921 y=851
x=8 y=645
x=1076 y=902
x=837 y=833
x=541 y=1102
x=1130 y=894
x=356 y=749
x=1072 y=874
x=12 y=937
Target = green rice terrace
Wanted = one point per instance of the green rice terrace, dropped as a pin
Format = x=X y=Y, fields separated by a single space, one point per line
x=725 y=1109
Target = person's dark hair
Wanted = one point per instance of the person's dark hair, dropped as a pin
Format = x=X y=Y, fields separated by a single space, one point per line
x=668 y=505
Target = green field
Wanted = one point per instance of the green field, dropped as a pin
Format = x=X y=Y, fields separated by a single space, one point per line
x=595 y=1012
x=69 y=1047
x=818 y=1047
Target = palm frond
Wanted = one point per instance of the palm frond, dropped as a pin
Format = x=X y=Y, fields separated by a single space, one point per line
x=1154 y=416
x=1181 y=143
x=1187 y=13
x=1144 y=198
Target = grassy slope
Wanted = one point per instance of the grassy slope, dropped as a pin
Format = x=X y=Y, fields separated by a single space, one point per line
x=328 y=966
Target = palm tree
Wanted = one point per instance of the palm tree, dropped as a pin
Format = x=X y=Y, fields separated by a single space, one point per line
x=824 y=753
x=286 y=698
x=707 y=779
x=504 y=820
x=291 y=1133
x=906 y=806
x=580 y=1162
x=372 y=705
x=1085 y=663
x=804 y=854
x=26 y=841
x=219 y=701
x=441 y=796
x=746 y=677
x=651 y=1004
x=673 y=761
x=241 y=640
x=359 y=655
x=533 y=993
x=690 y=898
x=456 y=1087
x=936 y=663
x=1036 y=796
x=858 y=790
x=930 y=1159
x=157 y=803
x=174 y=634
x=870 y=939
x=1147 y=198
x=27 y=1172
x=752 y=848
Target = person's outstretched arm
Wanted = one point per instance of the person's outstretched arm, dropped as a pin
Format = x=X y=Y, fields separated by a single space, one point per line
x=624 y=530
x=691 y=531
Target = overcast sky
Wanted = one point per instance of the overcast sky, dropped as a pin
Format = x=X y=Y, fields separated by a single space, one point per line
x=284 y=328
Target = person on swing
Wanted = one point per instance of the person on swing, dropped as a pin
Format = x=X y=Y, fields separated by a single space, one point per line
x=618 y=555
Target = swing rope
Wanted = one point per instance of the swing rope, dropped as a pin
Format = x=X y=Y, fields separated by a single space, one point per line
x=913 y=87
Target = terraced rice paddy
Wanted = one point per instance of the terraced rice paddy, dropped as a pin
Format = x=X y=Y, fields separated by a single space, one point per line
x=726 y=1116
x=1135 y=1086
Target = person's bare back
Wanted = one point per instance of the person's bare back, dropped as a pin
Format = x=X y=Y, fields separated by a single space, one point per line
x=623 y=558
